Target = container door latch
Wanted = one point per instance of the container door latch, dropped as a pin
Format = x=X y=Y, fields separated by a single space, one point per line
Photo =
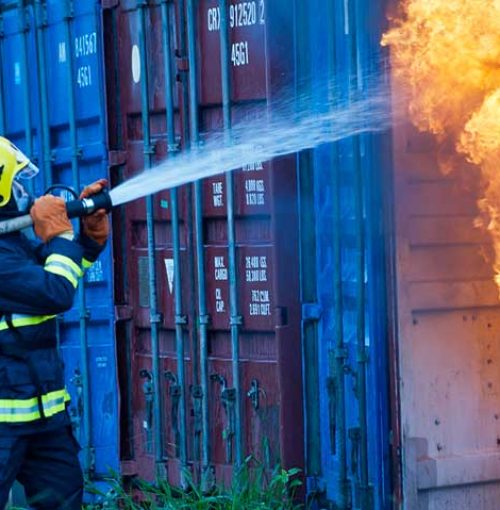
x=228 y=399
x=148 y=391
x=175 y=397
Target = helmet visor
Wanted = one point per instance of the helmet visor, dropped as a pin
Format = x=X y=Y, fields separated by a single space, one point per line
x=28 y=172
x=22 y=197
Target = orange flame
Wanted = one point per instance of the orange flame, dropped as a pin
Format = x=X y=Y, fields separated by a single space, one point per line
x=447 y=53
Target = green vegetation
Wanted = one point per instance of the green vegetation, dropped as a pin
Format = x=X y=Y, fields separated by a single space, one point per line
x=252 y=489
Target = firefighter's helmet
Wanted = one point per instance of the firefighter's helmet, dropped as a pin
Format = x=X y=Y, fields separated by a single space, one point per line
x=13 y=165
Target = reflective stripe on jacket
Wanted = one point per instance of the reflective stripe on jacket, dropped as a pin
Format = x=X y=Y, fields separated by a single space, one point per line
x=38 y=282
x=26 y=410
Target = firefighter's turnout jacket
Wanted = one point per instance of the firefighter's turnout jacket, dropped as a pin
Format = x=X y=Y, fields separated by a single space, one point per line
x=37 y=282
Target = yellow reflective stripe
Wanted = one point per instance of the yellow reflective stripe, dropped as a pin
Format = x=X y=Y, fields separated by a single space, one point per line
x=30 y=402
x=65 y=261
x=63 y=266
x=19 y=411
x=63 y=272
x=25 y=320
x=86 y=264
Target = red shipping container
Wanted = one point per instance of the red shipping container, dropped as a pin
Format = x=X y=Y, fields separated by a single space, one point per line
x=266 y=231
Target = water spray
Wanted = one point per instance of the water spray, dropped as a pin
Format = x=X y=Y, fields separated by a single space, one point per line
x=294 y=124
x=74 y=209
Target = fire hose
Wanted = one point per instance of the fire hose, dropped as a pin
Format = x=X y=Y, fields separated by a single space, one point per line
x=74 y=209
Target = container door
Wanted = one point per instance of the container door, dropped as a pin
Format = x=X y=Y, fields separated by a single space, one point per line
x=344 y=312
x=230 y=324
x=54 y=109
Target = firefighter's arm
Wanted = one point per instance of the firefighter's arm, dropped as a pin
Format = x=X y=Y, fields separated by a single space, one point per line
x=32 y=288
x=48 y=288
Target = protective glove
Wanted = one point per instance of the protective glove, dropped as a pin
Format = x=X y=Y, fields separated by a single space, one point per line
x=95 y=226
x=50 y=218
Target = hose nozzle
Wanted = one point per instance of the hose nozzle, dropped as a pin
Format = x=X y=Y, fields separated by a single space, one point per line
x=74 y=209
x=86 y=206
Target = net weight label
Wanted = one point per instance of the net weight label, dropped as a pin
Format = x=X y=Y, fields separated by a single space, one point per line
x=256 y=293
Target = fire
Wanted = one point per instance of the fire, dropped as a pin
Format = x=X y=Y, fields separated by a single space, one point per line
x=447 y=55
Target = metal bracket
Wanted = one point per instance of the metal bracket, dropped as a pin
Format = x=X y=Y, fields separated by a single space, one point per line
x=175 y=395
x=117 y=158
x=79 y=152
x=363 y=357
x=254 y=393
x=43 y=9
x=331 y=388
x=123 y=312
x=92 y=468
x=364 y=495
x=354 y=434
x=311 y=312
x=150 y=150
x=174 y=147
x=197 y=396
x=236 y=320
x=85 y=314
x=156 y=318
x=23 y=10
x=181 y=319
x=204 y=319
x=341 y=353
x=280 y=316
x=182 y=63
x=228 y=399
x=71 y=10
x=355 y=386
x=76 y=411
x=148 y=390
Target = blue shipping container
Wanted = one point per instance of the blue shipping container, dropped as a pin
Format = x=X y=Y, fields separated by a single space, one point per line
x=53 y=108
x=350 y=465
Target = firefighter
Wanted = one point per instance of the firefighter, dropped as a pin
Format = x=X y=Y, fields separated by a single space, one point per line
x=37 y=282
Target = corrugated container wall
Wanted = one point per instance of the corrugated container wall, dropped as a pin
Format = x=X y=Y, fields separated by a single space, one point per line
x=209 y=341
x=52 y=107
x=448 y=333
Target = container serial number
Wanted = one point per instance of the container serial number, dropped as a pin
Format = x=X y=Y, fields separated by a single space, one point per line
x=85 y=45
x=241 y=14
x=84 y=76
x=239 y=54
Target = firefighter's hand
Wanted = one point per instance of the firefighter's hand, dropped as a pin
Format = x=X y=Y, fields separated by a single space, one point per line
x=95 y=226
x=50 y=218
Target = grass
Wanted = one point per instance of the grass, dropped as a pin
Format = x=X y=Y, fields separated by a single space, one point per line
x=252 y=489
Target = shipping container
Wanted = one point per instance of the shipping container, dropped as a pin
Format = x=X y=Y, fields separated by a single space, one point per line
x=343 y=241
x=333 y=310
x=53 y=108
x=448 y=317
x=211 y=366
